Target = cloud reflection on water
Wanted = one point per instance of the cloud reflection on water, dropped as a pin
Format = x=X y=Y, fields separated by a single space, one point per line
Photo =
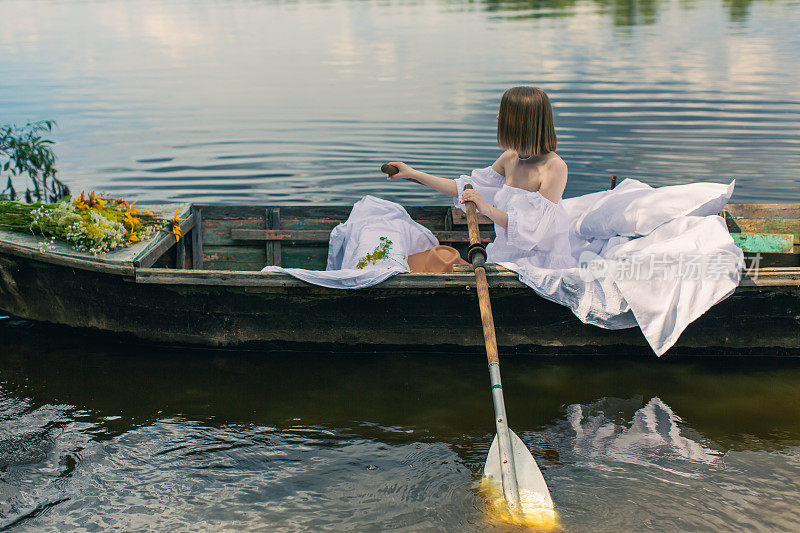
x=310 y=97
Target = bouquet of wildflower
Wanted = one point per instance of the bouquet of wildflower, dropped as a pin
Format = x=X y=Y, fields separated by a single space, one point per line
x=94 y=224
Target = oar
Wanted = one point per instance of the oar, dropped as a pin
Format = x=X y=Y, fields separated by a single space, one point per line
x=391 y=170
x=509 y=461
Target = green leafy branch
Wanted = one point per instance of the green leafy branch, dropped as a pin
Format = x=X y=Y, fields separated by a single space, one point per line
x=24 y=151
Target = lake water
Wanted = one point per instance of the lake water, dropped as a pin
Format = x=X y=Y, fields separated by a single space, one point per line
x=109 y=434
x=264 y=101
x=245 y=101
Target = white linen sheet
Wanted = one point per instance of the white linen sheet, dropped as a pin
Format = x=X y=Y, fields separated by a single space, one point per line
x=661 y=277
x=370 y=220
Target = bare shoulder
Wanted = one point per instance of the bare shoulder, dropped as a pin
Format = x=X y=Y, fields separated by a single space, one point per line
x=555 y=179
x=557 y=168
x=500 y=165
x=556 y=163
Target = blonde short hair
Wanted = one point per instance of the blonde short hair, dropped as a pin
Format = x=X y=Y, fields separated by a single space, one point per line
x=525 y=123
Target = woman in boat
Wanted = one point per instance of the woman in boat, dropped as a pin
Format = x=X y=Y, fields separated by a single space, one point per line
x=521 y=191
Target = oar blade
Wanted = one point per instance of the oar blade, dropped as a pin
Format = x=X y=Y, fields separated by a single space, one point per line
x=537 y=505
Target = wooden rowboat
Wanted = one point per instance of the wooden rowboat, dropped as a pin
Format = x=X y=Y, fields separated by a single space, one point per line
x=207 y=289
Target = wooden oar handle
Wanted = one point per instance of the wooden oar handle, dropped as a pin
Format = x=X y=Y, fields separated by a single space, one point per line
x=386 y=168
x=476 y=253
x=391 y=170
x=472 y=219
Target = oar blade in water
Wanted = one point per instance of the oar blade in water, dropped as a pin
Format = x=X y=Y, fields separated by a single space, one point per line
x=537 y=506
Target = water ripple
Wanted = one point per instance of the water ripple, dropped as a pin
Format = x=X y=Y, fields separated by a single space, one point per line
x=681 y=92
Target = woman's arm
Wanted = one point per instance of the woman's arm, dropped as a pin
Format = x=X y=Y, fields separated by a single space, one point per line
x=498 y=217
x=443 y=185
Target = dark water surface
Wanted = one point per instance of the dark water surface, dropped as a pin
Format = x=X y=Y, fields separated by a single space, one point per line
x=96 y=433
x=245 y=101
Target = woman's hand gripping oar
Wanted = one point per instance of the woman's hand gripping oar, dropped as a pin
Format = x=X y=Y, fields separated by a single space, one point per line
x=509 y=461
x=391 y=170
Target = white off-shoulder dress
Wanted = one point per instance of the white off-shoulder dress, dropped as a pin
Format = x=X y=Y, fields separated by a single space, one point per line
x=655 y=232
x=538 y=229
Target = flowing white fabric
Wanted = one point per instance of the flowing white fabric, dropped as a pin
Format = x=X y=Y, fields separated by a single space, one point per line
x=656 y=257
x=636 y=209
x=371 y=220
x=684 y=267
x=618 y=258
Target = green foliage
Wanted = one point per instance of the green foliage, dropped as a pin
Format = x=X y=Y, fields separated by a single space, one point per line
x=17 y=215
x=381 y=252
x=25 y=152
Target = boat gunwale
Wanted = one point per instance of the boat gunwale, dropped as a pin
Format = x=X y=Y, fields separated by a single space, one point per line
x=126 y=269
x=499 y=278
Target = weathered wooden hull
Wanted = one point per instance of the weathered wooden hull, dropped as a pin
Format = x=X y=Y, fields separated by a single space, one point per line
x=244 y=308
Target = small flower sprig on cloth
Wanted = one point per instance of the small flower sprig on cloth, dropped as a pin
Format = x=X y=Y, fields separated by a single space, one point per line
x=381 y=252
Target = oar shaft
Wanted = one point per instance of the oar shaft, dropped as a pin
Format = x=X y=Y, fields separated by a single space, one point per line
x=484 y=303
x=487 y=319
x=508 y=471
